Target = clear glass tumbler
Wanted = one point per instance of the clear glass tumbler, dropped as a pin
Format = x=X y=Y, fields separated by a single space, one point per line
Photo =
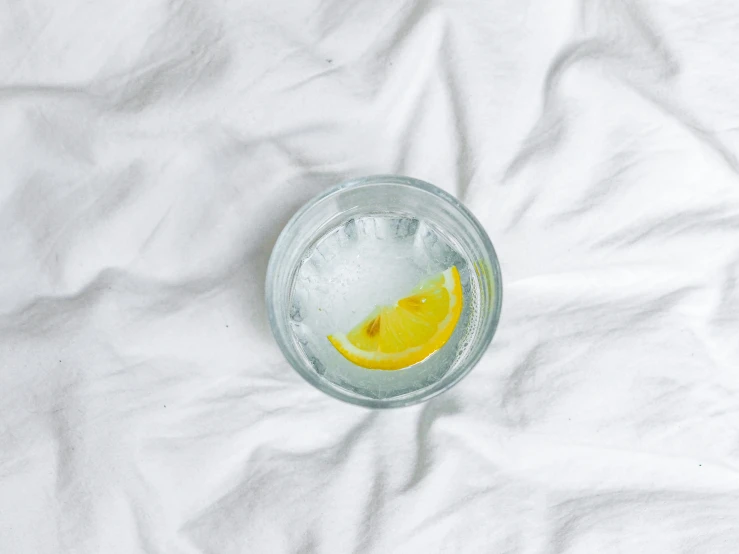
x=383 y=202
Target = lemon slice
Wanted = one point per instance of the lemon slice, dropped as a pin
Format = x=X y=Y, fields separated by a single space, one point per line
x=394 y=337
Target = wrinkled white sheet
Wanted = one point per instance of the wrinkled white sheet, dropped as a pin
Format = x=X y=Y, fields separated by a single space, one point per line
x=151 y=153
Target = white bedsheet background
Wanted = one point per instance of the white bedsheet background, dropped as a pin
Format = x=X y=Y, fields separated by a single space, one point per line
x=152 y=151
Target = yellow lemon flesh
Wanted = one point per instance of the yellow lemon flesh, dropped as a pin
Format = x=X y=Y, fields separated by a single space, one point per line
x=394 y=337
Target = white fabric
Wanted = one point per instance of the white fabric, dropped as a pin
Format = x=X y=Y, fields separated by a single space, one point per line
x=151 y=153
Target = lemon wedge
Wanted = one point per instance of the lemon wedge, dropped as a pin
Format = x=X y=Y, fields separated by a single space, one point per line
x=395 y=337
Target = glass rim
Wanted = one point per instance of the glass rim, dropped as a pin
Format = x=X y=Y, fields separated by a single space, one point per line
x=419 y=395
